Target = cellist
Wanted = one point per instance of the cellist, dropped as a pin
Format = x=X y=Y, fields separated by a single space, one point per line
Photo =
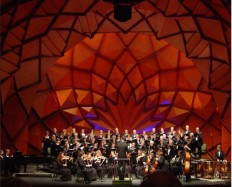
x=158 y=162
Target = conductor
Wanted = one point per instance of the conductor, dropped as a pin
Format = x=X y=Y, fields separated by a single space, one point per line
x=122 y=150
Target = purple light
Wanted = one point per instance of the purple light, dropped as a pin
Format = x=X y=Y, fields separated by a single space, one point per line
x=165 y=102
x=76 y=119
x=97 y=126
x=90 y=115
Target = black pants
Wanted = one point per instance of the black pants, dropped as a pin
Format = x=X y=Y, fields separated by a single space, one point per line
x=121 y=170
x=66 y=174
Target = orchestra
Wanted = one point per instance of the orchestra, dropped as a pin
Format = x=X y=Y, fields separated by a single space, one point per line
x=147 y=152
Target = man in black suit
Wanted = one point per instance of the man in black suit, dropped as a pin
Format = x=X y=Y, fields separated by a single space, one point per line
x=122 y=149
x=198 y=140
x=219 y=155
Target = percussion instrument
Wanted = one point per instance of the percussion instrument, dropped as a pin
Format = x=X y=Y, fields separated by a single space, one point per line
x=224 y=169
x=209 y=169
x=199 y=169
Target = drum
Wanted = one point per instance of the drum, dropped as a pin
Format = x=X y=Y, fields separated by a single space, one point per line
x=224 y=168
x=209 y=169
x=200 y=169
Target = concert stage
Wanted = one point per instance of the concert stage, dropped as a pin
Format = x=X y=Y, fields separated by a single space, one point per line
x=44 y=179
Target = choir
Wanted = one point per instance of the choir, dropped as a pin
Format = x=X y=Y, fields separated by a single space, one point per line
x=148 y=151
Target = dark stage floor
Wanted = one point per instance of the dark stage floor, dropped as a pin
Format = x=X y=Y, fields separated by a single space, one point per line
x=44 y=179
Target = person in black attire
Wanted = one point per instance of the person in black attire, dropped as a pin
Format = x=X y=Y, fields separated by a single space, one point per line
x=219 y=154
x=198 y=140
x=81 y=165
x=159 y=159
x=187 y=131
x=2 y=164
x=122 y=149
x=9 y=167
x=176 y=164
x=46 y=143
x=62 y=165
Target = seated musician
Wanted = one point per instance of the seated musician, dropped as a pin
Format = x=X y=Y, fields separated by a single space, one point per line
x=159 y=160
x=98 y=161
x=149 y=163
x=219 y=154
x=62 y=161
x=46 y=143
x=176 y=164
x=2 y=161
x=113 y=154
x=81 y=165
x=9 y=167
x=140 y=159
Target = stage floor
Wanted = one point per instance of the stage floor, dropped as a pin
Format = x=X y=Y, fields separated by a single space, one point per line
x=44 y=179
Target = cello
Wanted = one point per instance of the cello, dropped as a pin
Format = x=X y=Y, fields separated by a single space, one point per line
x=148 y=162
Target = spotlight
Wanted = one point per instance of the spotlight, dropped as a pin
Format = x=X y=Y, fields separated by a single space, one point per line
x=123 y=9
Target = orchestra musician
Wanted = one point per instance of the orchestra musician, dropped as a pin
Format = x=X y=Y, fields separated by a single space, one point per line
x=140 y=159
x=159 y=159
x=98 y=161
x=113 y=154
x=89 y=172
x=62 y=161
x=2 y=162
x=176 y=164
x=219 y=154
x=46 y=143
x=199 y=140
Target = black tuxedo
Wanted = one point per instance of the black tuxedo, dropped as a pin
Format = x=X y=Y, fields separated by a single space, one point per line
x=122 y=149
x=220 y=155
x=198 y=141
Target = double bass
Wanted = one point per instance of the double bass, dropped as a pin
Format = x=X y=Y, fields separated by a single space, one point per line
x=187 y=160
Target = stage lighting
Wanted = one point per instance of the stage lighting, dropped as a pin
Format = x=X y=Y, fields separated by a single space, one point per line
x=123 y=9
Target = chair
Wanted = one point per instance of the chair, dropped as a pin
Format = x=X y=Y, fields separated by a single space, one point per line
x=203 y=149
x=80 y=174
x=55 y=170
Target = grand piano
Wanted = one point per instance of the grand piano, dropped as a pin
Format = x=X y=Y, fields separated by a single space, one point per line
x=19 y=159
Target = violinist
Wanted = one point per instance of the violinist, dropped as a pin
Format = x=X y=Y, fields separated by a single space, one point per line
x=89 y=173
x=98 y=161
x=113 y=154
x=140 y=159
x=62 y=164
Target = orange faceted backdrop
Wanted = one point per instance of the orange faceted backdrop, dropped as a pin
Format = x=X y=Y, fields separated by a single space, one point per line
x=70 y=64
